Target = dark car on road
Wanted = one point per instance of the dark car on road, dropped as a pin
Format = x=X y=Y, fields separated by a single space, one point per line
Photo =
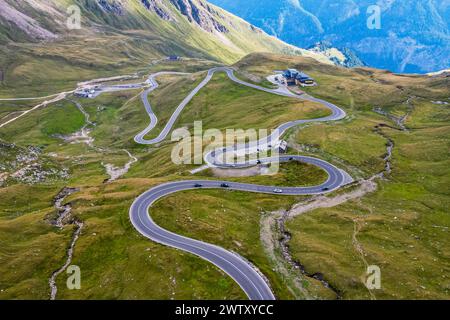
x=325 y=189
x=198 y=185
x=225 y=185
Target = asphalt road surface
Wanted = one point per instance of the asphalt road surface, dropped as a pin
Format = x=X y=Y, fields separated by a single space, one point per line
x=254 y=284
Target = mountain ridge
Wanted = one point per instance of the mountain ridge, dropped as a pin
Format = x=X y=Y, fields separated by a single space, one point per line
x=414 y=36
x=205 y=29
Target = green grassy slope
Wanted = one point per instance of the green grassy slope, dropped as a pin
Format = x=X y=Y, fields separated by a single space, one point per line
x=109 y=237
x=110 y=43
x=225 y=104
x=402 y=227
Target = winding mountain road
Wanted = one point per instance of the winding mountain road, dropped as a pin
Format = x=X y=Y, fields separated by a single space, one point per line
x=246 y=275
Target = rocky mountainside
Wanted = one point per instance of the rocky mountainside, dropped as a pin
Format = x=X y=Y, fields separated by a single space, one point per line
x=414 y=35
x=341 y=57
x=44 y=20
x=182 y=27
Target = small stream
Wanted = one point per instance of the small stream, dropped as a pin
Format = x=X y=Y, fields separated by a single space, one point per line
x=83 y=136
x=400 y=122
x=63 y=219
x=388 y=156
x=63 y=210
x=284 y=239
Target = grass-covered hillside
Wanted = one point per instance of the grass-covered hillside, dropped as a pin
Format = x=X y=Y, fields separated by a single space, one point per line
x=402 y=226
x=109 y=251
x=37 y=50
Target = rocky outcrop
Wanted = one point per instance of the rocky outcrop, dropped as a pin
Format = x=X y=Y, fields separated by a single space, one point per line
x=158 y=7
x=200 y=13
x=111 y=6
x=28 y=166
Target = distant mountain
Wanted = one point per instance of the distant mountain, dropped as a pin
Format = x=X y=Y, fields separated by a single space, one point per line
x=414 y=34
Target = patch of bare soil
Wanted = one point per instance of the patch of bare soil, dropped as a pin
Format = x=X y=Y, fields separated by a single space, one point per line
x=229 y=173
x=317 y=202
x=117 y=172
